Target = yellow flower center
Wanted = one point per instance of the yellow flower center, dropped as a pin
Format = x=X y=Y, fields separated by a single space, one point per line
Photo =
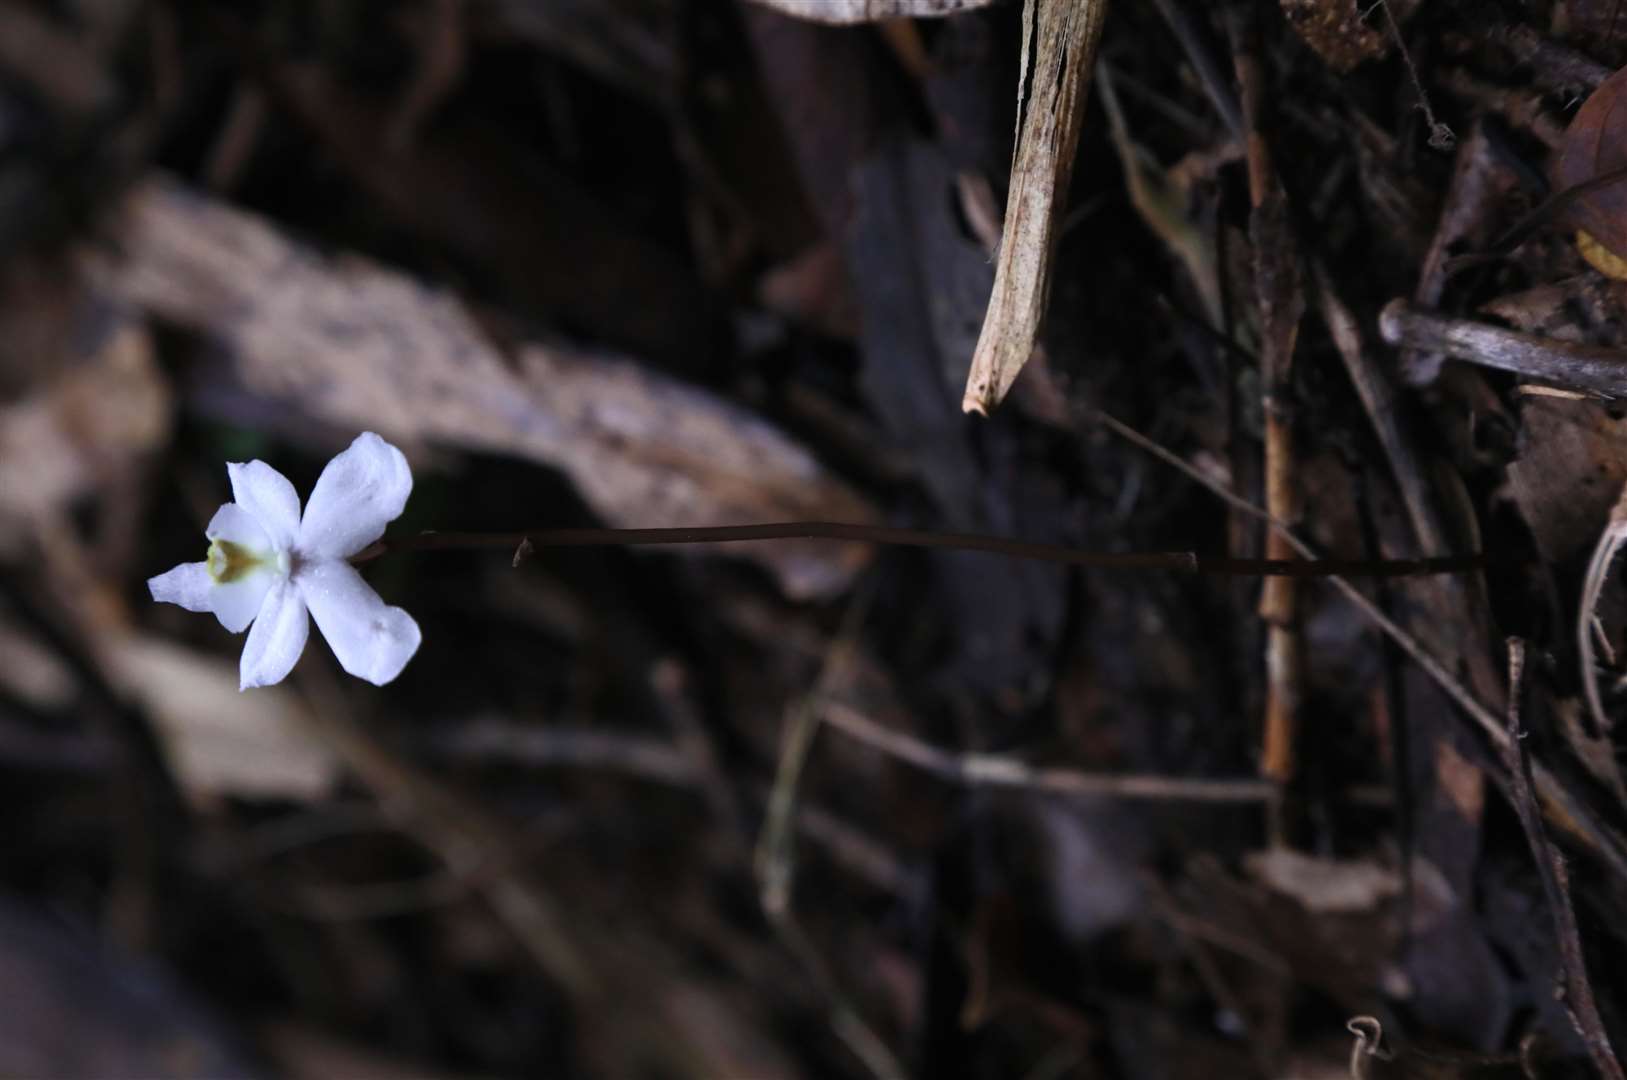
x=229 y=562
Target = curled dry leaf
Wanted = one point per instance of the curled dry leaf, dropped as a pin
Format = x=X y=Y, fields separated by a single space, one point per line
x=1595 y=148
x=354 y=344
x=849 y=12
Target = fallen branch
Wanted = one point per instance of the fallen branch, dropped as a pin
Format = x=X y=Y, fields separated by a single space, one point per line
x=1591 y=369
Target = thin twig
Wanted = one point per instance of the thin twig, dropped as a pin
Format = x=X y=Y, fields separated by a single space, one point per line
x=774 y=858
x=1563 y=807
x=994 y=770
x=774 y=862
x=464 y=836
x=1211 y=76
x=1440 y=136
x=1574 y=365
x=1181 y=561
x=1580 y=1003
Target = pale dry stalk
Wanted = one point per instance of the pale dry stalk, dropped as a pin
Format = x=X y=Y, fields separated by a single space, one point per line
x=1059 y=51
x=1598 y=568
x=1280 y=294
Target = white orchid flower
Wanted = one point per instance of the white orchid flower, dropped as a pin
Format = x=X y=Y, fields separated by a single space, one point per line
x=268 y=566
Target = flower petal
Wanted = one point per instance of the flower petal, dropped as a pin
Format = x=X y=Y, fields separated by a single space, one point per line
x=236 y=525
x=187 y=585
x=277 y=639
x=362 y=490
x=238 y=602
x=372 y=641
x=269 y=498
x=190 y=586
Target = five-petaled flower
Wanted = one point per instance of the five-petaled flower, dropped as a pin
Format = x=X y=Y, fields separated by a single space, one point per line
x=268 y=566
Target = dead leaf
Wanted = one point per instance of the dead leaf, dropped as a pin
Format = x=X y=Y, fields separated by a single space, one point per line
x=220 y=741
x=1059 y=51
x=1594 y=145
x=57 y=443
x=1336 y=31
x=1598 y=25
x=1325 y=885
x=849 y=12
x=1572 y=465
x=1595 y=751
x=32 y=673
x=351 y=343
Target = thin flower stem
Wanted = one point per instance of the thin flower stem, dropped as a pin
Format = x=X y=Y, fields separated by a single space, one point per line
x=1186 y=561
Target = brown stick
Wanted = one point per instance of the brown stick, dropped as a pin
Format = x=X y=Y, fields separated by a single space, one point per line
x=1281 y=300
x=1591 y=369
x=1580 y=1003
x=1184 y=561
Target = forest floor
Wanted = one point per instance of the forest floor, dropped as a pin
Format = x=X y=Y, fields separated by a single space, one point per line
x=1319 y=279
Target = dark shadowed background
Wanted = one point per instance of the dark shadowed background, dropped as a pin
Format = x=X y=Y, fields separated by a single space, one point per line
x=810 y=808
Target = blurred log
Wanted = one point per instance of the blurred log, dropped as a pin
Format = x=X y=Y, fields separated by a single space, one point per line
x=354 y=344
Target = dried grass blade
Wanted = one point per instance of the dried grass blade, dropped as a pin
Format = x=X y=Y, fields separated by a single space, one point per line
x=1059 y=51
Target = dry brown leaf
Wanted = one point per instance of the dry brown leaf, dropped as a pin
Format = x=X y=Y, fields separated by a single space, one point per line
x=1059 y=51
x=1595 y=143
x=1337 y=32
x=220 y=741
x=354 y=344
x=1572 y=465
x=1594 y=749
x=57 y=443
x=849 y=12
x=32 y=673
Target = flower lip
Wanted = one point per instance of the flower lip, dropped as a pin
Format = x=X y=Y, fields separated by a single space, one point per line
x=228 y=561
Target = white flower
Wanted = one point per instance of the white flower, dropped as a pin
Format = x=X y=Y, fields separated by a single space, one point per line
x=267 y=566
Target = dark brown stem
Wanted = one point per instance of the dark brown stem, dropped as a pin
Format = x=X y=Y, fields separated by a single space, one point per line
x=1187 y=561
